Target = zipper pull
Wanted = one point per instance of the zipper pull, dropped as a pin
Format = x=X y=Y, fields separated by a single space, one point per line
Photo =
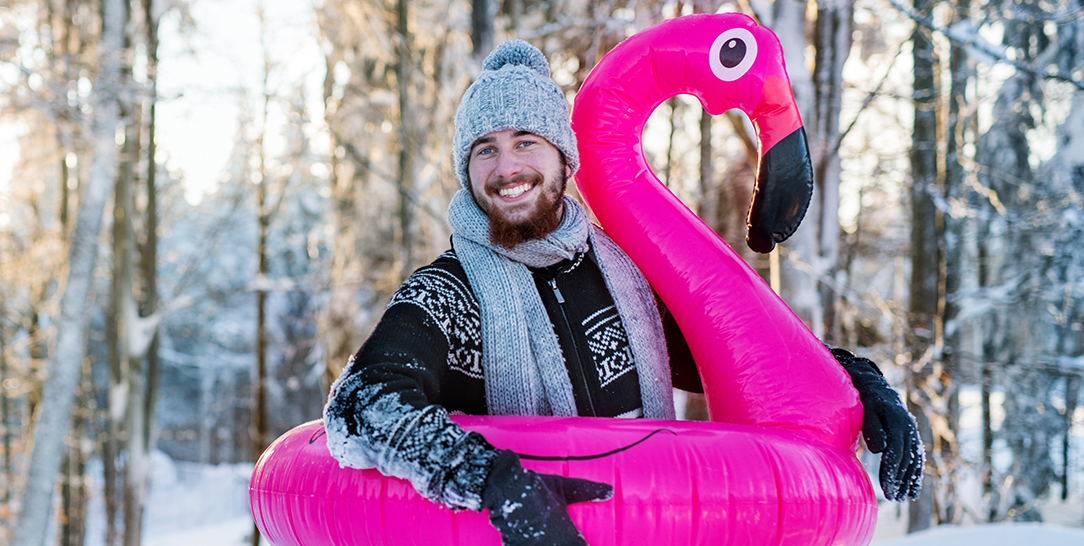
x=556 y=291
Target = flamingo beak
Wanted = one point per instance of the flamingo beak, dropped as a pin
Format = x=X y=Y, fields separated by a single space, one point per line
x=782 y=194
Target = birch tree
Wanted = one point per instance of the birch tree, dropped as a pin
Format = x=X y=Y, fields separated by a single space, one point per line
x=54 y=419
x=33 y=222
x=800 y=265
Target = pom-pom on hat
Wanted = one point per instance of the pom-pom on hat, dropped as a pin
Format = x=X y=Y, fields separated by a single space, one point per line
x=514 y=91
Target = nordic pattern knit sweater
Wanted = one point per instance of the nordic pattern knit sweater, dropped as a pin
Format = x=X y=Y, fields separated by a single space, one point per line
x=389 y=408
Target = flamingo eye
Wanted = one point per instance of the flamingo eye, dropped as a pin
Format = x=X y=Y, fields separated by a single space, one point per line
x=732 y=54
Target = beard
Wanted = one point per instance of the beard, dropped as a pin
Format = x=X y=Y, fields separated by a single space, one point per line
x=542 y=221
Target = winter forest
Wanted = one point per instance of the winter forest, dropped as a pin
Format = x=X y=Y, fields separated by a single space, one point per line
x=205 y=206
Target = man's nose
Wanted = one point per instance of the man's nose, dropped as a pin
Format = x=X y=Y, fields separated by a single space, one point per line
x=508 y=165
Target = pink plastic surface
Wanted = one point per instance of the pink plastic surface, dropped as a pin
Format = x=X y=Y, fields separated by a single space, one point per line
x=779 y=467
x=759 y=363
x=700 y=483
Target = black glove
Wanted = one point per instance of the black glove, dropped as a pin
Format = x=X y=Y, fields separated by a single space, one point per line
x=529 y=508
x=887 y=427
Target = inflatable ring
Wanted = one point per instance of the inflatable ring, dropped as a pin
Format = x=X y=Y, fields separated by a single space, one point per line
x=675 y=483
x=777 y=468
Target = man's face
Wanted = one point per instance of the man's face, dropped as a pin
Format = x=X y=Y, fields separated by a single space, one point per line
x=518 y=179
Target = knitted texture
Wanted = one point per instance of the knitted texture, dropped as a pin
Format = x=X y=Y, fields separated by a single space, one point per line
x=443 y=462
x=636 y=304
x=515 y=325
x=514 y=91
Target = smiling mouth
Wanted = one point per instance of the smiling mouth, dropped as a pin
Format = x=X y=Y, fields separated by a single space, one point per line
x=515 y=191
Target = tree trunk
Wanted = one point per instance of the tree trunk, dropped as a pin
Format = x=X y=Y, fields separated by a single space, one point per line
x=73 y=491
x=39 y=353
x=955 y=241
x=64 y=194
x=143 y=381
x=259 y=410
x=925 y=269
x=675 y=117
x=1011 y=256
x=128 y=379
x=798 y=264
x=63 y=135
x=832 y=40
x=483 y=13
x=514 y=10
x=989 y=494
x=5 y=409
x=55 y=417
x=1072 y=394
x=403 y=76
x=708 y=208
x=137 y=463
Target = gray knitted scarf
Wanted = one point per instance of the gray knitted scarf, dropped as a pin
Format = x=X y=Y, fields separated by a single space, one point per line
x=516 y=328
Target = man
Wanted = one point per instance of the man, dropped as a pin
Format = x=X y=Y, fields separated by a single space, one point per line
x=533 y=312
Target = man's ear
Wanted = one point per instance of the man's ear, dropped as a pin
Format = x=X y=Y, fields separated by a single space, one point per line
x=568 y=172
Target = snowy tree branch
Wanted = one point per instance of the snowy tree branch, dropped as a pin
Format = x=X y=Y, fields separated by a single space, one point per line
x=865 y=103
x=973 y=41
x=360 y=163
x=142 y=329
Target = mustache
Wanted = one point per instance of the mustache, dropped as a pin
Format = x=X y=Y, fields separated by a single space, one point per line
x=495 y=185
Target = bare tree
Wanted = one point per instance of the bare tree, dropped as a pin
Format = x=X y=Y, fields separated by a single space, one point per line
x=957 y=237
x=832 y=40
x=267 y=204
x=408 y=133
x=483 y=12
x=54 y=419
x=143 y=385
x=384 y=92
x=925 y=254
x=799 y=264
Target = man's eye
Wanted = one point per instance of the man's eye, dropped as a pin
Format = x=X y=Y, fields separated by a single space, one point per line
x=526 y=143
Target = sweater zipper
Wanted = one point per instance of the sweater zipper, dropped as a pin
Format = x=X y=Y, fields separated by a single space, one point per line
x=557 y=292
x=575 y=348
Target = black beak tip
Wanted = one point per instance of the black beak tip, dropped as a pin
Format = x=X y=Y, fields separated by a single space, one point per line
x=759 y=243
x=782 y=194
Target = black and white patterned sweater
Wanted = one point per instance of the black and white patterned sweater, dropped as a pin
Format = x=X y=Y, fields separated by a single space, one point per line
x=389 y=408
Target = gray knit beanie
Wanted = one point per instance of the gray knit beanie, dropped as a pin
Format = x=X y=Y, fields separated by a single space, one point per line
x=514 y=91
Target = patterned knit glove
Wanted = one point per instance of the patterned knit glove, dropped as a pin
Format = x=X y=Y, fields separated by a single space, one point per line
x=531 y=509
x=888 y=428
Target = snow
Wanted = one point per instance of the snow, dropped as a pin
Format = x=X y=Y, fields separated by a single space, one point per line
x=991 y=535
x=208 y=505
x=188 y=503
x=234 y=532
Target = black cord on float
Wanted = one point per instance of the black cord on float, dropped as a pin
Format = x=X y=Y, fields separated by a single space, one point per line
x=321 y=432
x=597 y=456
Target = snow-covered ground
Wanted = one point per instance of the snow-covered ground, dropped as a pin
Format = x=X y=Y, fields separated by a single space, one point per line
x=236 y=532
x=1063 y=528
x=1015 y=534
x=208 y=505
x=188 y=504
x=233 y=532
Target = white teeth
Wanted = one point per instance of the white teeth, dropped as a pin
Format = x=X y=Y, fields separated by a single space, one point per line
x=515 y=191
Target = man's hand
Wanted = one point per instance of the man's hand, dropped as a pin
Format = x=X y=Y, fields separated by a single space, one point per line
x=531 y=509
x=888 y=428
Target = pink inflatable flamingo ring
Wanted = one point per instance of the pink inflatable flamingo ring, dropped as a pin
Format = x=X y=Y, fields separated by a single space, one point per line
x=776 y=465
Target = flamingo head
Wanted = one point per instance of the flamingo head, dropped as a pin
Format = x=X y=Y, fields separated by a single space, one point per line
x=734 y=63
x=727 y=61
